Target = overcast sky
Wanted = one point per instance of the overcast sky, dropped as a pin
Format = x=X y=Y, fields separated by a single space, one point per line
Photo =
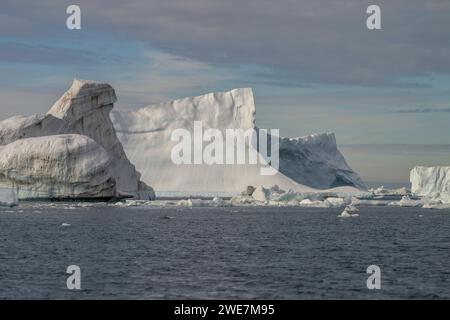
x=313 y=65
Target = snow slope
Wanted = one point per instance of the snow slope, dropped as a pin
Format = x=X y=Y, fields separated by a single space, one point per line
x=57 y=166
x=307 y=164
x=431 y=182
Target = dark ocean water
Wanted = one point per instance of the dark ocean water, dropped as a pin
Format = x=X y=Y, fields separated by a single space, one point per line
x=224 y=253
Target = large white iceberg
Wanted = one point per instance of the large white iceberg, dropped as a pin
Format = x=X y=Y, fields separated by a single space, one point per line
x=57 y=167
x=307 y=164
x=84 y=109
x=432 y=183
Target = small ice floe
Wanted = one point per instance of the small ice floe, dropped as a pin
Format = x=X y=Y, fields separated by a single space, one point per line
x=351 y=208
x=219 y=202
x=349 y=211
x=191 y=203
x=65 y=225
x=406 y=201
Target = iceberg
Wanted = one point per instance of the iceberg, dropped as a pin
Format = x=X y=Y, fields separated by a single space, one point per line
x=315 y=161
x=431 y=183
x=57 y=167
x=347 y=214
x=83 y=110
x=307 y=164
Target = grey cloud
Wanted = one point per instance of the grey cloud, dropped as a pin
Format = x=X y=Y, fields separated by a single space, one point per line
x=422 y=110
x=49 y=55
x=314 y=41
x=22 y=53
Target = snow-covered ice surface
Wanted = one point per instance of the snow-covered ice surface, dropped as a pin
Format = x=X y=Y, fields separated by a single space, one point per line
x=307 y=164
x=84 y=109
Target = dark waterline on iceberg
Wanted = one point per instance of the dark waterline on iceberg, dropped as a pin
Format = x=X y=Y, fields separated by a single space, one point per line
x=228 y=253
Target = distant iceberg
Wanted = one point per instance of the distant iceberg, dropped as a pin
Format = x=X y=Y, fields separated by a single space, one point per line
x=431 y=183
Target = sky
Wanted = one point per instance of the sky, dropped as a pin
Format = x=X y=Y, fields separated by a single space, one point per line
x=313 y=65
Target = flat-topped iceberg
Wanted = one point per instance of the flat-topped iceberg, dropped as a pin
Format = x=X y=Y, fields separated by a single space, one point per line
x=306 y=164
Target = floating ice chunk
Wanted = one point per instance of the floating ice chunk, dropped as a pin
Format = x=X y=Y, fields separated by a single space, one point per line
x=219 y=202
x=351 y=208
x=385 y=192
x=344 y=214
x=261 y=194
x=242 y=200
x=192 y=203
x=438 y=206
x=313 y=204
x=406 y=202
x=349 y=211
x=364 y=202
x=335 y=202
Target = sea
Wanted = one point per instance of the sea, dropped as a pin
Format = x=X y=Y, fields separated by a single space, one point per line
x=223 y=252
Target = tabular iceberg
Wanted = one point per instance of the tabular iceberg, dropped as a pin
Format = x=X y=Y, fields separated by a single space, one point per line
x=84 y=109
x=431 y=182
x=307 y=164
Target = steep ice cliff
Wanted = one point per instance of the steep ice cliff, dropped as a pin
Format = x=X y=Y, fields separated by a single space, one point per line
x=431 y=182
x=84 y=109
x=146 y=137
x=57 y=166
x=315 y=161
x=306 y=164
